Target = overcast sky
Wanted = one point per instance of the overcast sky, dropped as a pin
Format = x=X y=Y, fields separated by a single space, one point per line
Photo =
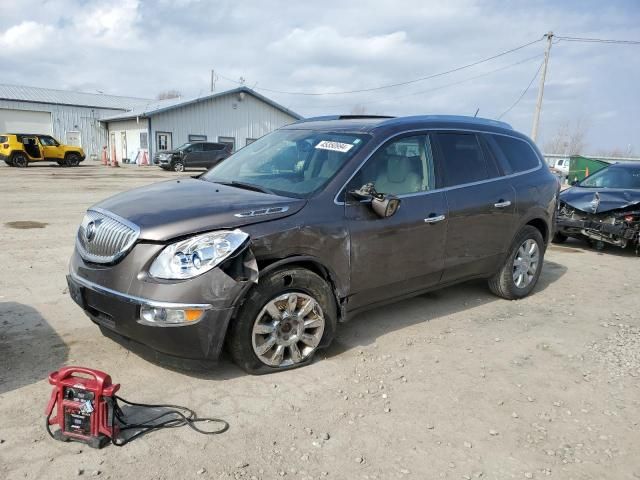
x=140 y=48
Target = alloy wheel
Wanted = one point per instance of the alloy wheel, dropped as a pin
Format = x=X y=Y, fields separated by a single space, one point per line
x=526 y=263
x=288 y=329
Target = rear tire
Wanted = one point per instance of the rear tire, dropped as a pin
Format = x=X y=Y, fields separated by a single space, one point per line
x=9 y=162
x=521 y=269
x=20 y=160
x=256 y=328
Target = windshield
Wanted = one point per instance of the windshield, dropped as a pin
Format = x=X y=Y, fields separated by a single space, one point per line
x=292 y=163
x=183 y=146
x=616 y=176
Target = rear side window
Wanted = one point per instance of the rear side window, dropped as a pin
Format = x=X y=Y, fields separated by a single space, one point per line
x=4 y=139
x=214 y=146
x=518 y=153
x=460 y=159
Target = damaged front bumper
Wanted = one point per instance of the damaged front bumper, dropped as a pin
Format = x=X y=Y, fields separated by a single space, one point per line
x=616 y=228
x=114 y=297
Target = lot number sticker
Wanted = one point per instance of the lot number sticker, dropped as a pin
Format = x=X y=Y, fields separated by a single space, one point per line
x=334 y=146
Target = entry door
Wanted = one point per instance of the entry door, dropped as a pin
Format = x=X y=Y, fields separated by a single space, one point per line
x=123 y=145
x=163 y=141
x=404 y=253
x=482 y=206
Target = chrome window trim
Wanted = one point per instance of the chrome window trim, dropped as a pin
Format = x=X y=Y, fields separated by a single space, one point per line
x=444 y=189
x=145 y=302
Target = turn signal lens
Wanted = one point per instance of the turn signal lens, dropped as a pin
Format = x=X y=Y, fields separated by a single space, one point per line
x=629 y=218
x=170 y=316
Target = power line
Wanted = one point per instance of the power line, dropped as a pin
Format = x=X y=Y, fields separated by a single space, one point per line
x=598 y=40
x=398 y=84
x=490 y=72
x=523 y=93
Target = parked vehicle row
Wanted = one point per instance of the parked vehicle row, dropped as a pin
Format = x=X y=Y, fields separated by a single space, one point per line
x=270 y=249
x=21 y=149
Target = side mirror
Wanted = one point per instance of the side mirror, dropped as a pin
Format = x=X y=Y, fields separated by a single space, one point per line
x=384 y=205
x=574 y=183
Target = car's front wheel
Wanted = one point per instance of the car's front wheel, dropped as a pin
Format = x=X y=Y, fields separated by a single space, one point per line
x=178 y=166
x=521 y=269
x=283 y=322
x=20 y=160
x=72 y=160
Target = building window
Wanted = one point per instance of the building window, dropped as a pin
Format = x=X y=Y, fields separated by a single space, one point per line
x=231 y=141
x=163 y=141
x=197 y=138
x=144 y=140
x=250 y=141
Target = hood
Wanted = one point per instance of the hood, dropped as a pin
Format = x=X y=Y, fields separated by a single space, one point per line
x=607 y=199
x=171 y=209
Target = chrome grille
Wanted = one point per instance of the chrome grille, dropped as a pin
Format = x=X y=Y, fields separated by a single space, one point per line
x=104 y=237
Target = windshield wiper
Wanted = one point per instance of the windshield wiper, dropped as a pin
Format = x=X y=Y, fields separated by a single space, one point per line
x=247 y=186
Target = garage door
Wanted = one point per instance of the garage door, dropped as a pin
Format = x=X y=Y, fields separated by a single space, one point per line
x=24 y=121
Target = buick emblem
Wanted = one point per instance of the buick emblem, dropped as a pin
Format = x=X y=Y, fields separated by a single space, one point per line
x=90 y=231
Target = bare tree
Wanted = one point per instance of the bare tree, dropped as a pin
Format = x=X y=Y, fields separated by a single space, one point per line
x=617 y=152
x=569 y=139
x=169 y=94
x=358 y=109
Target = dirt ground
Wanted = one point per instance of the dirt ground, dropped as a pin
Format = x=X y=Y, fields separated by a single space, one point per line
x=455 y=384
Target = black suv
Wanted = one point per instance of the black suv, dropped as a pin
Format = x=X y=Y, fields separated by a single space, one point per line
x=193 y=155
x=268 y=251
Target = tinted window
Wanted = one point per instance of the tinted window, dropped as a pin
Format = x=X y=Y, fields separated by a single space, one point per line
x=460 y=158
x=3 y=139
x=214 y=146
x=399 y=167
x=519 y=154
x=196 y=147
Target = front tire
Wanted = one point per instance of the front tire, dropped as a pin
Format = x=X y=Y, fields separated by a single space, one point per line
x=178 y=166
x=284 y=320
x=521 y=269
x=20 y=160
x=72 y=160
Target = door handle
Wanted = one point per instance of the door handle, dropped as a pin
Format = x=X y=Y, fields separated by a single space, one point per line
x=502 y=204
x=434 y=219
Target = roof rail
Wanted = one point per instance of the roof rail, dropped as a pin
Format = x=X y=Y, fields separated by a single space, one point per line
x=325 y=118
x=451 y=118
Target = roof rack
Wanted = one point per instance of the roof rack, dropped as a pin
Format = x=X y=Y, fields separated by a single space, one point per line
x=325 y=118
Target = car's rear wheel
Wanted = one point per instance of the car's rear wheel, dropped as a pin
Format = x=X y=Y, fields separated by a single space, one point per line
x=178 y=166
x=9 y=162
x=283 y=322
x=72 y=160
x=20 y=160
x=521 y=269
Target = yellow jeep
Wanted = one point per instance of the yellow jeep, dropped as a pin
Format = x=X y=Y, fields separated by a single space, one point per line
x=21 y=149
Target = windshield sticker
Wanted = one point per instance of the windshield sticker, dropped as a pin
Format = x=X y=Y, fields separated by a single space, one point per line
x=334 y=146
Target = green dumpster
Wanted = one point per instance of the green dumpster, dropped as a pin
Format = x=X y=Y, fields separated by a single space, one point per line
x=580 y=167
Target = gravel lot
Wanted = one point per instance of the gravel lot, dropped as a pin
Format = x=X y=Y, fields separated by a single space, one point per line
x=454 y=384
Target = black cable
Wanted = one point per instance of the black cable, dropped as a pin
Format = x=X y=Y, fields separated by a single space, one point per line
x=523 y=93
x=596 y=40
x=179 y=419
x=408 y=82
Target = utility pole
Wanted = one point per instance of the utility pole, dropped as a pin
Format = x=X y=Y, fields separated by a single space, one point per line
x=536 y=115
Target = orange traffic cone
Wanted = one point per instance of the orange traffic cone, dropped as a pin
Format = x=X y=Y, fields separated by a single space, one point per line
x=145 y=158
x=105 y=161
x=586 y=172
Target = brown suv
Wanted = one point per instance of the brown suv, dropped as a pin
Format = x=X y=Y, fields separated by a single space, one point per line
x=269 y=250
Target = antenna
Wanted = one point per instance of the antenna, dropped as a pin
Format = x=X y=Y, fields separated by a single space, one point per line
x=476 y=114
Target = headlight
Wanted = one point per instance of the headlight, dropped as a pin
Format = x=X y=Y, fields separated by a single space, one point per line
x=196 y=255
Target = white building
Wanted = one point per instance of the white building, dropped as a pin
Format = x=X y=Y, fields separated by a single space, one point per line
x=237 y=117
x=129 y=126
x=72 y=117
